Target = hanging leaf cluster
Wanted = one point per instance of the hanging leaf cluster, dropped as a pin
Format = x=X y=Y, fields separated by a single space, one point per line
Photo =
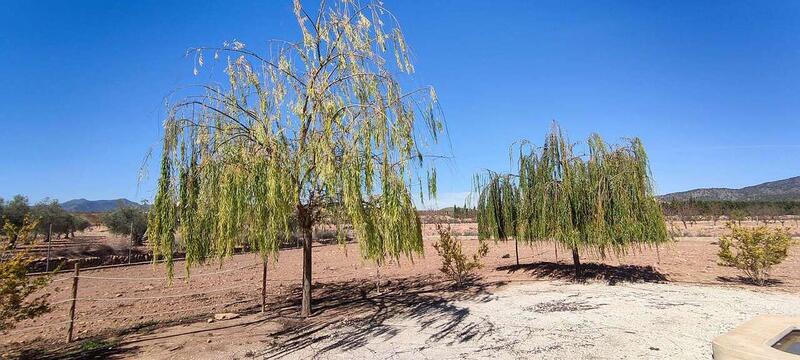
x=316 y=130
x=601 y=201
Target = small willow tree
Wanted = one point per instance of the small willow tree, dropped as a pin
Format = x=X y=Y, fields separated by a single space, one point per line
x=601 y=201
x=318 y=130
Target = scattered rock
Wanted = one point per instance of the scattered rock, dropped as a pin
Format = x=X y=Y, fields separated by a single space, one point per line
x=506 y=256
x=654 y=348
x=225 y=316
x=208 y=341
x=210 y=320
x=118 y=295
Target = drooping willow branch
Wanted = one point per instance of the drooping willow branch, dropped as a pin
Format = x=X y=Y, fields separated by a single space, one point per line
x=601 y=202
x=322 y=129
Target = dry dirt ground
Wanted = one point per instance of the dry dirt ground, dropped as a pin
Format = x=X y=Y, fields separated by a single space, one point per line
x=667 y=303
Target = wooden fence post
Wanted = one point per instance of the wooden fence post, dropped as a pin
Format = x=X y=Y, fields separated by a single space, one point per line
x=130 y=245
x=264 y=287
x=71 y=323
x=49 y=245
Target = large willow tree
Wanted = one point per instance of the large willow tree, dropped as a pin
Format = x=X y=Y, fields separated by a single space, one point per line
x=315 y=130
x=600 y=201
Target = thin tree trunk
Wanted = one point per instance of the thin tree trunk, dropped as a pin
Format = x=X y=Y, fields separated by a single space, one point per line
x=264 y=286
x=516 y=249
x=577 y=261
x=305 y=310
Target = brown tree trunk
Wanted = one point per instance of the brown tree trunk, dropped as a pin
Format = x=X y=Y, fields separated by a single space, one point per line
x=516 y=249
x=305 y=310
x=577 y=261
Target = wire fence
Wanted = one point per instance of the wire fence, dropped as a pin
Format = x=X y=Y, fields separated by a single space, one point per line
x=69 y=320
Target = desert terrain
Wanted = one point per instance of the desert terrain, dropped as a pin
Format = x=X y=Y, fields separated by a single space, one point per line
x=659 y=303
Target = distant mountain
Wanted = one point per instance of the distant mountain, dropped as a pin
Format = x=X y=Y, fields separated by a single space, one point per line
x=83 y=205
x=786 y=190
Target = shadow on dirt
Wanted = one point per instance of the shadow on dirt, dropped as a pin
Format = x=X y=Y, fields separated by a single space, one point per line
x=347 y=316
x=86 y=349
x=748 y=281
x=590 y=271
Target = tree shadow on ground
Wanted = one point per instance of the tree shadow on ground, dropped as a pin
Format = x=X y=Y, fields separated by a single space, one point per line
x=589 y=271
x=748 y=281
x=87 y=349
x=348 y=315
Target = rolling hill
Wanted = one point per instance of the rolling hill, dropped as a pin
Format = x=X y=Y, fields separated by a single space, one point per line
x=83 y=205
x=781 y=190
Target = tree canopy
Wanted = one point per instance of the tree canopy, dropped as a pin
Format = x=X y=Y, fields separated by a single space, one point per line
x=315 y=129
x=50 y=213
x=601 y=201
x=126 y=218
x=45 y=214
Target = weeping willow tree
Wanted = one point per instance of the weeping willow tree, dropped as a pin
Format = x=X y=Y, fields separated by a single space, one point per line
x=318 y=130
x=497 y=210
x=600 y=202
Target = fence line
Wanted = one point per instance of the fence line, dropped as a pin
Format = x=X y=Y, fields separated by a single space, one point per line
x=167 y=278
x=163 y=296
x=175 y=311
x=104 y=267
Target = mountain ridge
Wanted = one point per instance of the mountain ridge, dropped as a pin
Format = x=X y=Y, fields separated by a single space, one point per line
x=779 y=190
x=83 y=205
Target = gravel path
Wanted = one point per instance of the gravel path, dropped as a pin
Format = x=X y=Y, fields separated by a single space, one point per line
x=552 y=320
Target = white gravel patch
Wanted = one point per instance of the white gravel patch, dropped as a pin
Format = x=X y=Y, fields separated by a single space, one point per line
x=551 y=320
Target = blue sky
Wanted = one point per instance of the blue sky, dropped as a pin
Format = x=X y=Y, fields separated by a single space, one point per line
x=710 y=86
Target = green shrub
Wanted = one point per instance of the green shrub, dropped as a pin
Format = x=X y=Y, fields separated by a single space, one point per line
x=455 y=265
x=125 y=218
x=20 y=298
x=754 y=250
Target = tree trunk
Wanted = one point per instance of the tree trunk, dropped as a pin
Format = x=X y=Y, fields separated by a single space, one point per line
x=577 y=261
x=305 y=310
x=516 y=249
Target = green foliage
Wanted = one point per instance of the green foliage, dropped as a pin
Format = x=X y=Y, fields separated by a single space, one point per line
x=455 y=264
x=49 y=212
x=15 y=210
x=95 y=345
x=79 y=223
x=318 y=128
x=754 y=250
x=732 y=209
x=497 y=208
x=18 y=292
x=601 y=201
x=46 y=213
x=119 y=222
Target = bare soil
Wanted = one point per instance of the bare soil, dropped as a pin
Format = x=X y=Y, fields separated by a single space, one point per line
x=135 y=312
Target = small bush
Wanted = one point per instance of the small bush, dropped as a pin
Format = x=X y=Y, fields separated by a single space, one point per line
x=19 y=293
x=455 y=265
x=754 y=250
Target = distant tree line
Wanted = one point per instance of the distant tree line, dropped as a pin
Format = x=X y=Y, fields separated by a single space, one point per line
x=692 y=210
x=47 y=214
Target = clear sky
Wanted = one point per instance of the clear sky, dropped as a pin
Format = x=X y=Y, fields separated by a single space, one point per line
x=712 y=87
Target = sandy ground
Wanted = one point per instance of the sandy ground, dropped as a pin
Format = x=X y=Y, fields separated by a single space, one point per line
x=139 y=314
x=557 y=321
